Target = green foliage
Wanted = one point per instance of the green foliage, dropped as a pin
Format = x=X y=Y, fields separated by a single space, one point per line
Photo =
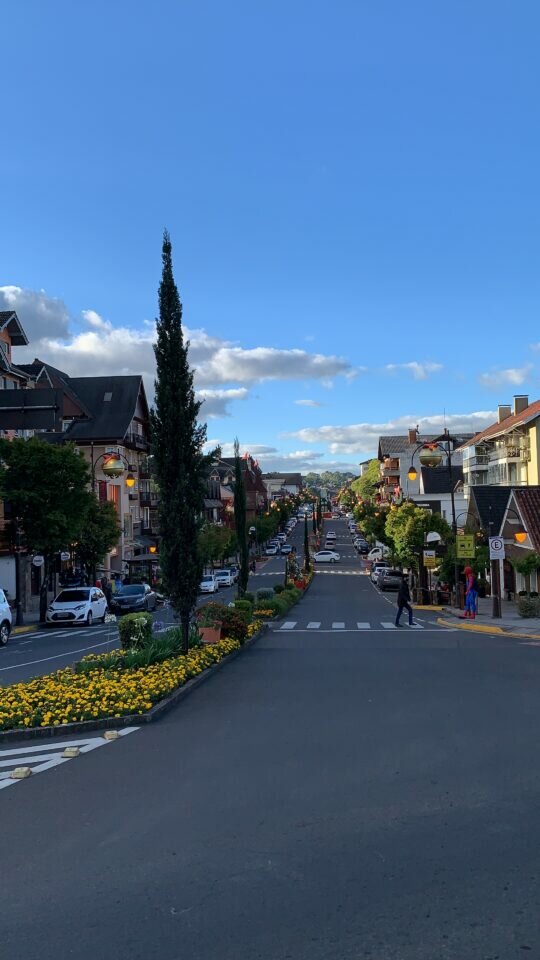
x=245 y=606
x=180 y=465
x=265 y=593
x=234 y=622
x=371 y=518
x=278 y=588
x=249 y=596
x=307 y=559
x=407 y=526
x=240 y=521
x=215 y=543
x=364 y=486
x=527 y=565
x=135 y=630
x=161 y=648
x=99 y=534
x=528 y=606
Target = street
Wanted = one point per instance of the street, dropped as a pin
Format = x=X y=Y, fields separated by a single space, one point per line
x=338 y=791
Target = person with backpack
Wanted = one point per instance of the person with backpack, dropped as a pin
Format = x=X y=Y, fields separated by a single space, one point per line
x=471 y=594
x=404 y=601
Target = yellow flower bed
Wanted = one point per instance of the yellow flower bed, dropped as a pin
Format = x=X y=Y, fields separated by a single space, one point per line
x=254 y=628
x=264 y=613
x=64 y=697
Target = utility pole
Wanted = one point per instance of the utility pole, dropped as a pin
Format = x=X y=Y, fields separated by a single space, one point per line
x=19 y=616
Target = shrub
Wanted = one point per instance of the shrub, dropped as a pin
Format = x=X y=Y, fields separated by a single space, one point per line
x=279 y=588
x=533 y=593
x=264 y=593
x=529 y=607
x=211 y=614
x=135 y=630
x=249 y=596
x=234 y=624
x=245 y=605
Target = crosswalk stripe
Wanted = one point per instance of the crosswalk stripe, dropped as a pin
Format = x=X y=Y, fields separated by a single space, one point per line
x=288 y=625
x=338 y=625
x=387 y=625
x=363 y=626
x=314 y=625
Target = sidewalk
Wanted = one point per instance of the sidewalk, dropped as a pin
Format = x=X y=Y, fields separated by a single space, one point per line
x=31 y=622
x=510 y=621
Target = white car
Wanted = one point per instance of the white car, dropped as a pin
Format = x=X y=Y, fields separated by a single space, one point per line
x=224 y=578
x=5 y=619
x=331 y=535
x=77 y=605
x=209 y=584
x=271 y=551
x=377 y=553
x=286 y=548
x=326 y=556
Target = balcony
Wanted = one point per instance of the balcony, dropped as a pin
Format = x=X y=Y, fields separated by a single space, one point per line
x=137 y=441
x=390 y=467
x=392 y=480
x=512 y=448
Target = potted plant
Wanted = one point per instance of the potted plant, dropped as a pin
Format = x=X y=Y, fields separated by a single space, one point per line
x=209 y=624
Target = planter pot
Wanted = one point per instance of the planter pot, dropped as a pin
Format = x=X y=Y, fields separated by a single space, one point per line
x=210 y=634
x=300 y=584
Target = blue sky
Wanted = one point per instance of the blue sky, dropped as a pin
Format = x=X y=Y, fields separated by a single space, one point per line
x=355 y=181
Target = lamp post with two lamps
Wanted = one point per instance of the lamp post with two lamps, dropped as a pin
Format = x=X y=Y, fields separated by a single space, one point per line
x=113 y=465
x=431 y=454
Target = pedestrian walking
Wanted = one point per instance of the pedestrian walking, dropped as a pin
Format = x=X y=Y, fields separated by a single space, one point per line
x=404 y=601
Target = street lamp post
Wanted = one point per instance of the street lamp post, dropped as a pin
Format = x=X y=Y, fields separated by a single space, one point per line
x=430 y=457
x=19 y=616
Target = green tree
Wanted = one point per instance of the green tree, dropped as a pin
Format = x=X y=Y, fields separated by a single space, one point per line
x=525 y=566
x=240 y=521
x=177 y=441
x=365 y=486
x=407 y=527
x=47 y=487
x=215 y=543
x=319 y=514
x=99 y=534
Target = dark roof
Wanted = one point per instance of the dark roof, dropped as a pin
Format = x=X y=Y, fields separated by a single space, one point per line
x=286 y=477
x=528 y=501
x=438 y=480
x=9 y=319
x=491 y=501
x=395 y=445
x=109 y=420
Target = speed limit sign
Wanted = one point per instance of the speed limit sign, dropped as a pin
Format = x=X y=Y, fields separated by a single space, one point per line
x=496 y=548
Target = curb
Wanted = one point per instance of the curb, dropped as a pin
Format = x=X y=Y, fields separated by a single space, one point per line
x=133 y=719
x=427 y=606
x=18 y=630
x=481 y=628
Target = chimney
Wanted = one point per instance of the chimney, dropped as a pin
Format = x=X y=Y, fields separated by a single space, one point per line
x=504 y=411
x=521 y=402
x=413 y=435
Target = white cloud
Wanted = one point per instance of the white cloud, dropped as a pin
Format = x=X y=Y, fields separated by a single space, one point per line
x=420 y=371
x=272 y=460
x=216 y=402
x=41 y=316
x=229 y=363
x=362 y=438
x=514 y=376
x=307 y=403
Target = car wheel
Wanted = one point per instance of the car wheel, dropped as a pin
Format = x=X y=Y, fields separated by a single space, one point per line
x=4 y=633
x=332 y=560
x=89 y=619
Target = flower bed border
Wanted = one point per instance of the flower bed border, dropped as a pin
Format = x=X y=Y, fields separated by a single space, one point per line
x=133 y=719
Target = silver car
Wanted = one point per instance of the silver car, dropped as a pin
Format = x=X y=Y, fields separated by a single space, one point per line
x=389 y=579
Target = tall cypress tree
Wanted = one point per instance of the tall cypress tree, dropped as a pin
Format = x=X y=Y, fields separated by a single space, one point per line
x=240 y=521
x=306 y=546
x=319 y=513
x=177 y=441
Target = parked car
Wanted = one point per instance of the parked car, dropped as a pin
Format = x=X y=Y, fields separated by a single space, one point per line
x=235 y=570
x=331 y=535
x=281 y=537
x=77 y=605
x=377 y=567
x=361 y=545
x=326 y=556
x=286 y=549
x=5 y=619
x=271 y=550
x=388 y=579
x=224 y=578
x=377 y=553
x=133 y=597
x=208 y=584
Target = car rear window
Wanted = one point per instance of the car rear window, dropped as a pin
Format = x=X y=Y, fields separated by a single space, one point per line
x=131 y=590
x=392 y=573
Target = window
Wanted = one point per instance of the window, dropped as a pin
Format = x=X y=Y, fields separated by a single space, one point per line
x=107 y=397
x=102 y=490
x=146 y=517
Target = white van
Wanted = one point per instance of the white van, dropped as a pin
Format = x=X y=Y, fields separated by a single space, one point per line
x=377 y=553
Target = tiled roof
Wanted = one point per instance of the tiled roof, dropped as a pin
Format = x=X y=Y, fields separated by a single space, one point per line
x=515 y=420
x=109 y=420
x=528 y=501
x=394 y=445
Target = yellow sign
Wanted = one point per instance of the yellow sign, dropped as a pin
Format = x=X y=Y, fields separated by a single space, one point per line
x=430 y=559
x=465 y=546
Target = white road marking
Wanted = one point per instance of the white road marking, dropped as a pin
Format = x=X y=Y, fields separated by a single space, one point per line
x=58 y=656
x=289 y=625
x=24 y=755
x=363 y=626
x=387 y=625
x=314 y=625
x=338 y=625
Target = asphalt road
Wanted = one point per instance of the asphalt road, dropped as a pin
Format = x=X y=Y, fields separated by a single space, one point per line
x=339 y=791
